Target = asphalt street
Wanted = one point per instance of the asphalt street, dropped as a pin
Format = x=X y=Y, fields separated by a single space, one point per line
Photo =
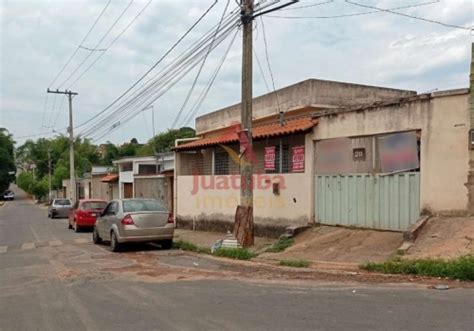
x=54 y=279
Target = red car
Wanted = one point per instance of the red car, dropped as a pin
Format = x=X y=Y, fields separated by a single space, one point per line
x=84 y=213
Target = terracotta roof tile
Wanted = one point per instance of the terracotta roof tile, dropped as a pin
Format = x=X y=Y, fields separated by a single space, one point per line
x=262 y=131
x=110 y=178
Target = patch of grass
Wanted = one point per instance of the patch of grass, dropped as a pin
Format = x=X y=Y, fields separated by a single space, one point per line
x=185 y=246
x=234 y=253
x=282 y=244
x=295 y=263
x=461 y=268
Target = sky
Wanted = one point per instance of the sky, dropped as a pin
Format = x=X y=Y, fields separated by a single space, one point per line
x=383 y=49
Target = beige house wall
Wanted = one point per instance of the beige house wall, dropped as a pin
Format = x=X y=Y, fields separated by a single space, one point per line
x=155 y=188
x=100 y=190
x=444 y=124
x=200 y=199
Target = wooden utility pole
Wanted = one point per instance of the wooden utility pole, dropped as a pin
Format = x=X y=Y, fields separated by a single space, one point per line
x=72 y=177
x=49 y=175
x=244 y=216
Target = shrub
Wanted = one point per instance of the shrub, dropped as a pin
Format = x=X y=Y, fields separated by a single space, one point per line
x=295 y=263
x=282 y=244
x=234 y=253
x=461 y=268
x=187 y=246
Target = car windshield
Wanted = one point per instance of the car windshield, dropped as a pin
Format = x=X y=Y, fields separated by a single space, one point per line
x=94 y=205
x=8 y=192
x=142 y=205
x=62 y=202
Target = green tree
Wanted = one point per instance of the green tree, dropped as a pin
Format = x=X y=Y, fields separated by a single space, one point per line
x=164 y=141
x=7 y=159
x=40 y=188
x=25 y=181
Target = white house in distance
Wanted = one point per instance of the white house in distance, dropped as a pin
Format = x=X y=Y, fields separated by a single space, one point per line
x=147 y=177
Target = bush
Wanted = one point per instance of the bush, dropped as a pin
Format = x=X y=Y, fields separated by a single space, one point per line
x=187 y=246
x=234 y=253
x=461 y=268
x=282 y=244
x=40 y=188
x=25 y=181
x=295 y=263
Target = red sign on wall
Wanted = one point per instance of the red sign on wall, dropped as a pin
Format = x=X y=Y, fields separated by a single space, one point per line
x=269 y=163
x=297 y=153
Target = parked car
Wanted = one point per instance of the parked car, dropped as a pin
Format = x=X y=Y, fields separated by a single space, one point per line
x=8 y=195
x=134 y=220
x=84 y=213
x=59 y=208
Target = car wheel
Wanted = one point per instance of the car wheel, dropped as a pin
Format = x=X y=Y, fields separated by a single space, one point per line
x=95 y=236
x=114 y=244
x=166 y=244
x=76 y=227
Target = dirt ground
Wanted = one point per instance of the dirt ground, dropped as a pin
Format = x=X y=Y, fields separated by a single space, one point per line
x=444 y=238
x=341 y=245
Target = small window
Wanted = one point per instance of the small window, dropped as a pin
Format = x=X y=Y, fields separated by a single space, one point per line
x=126 y=166
x=221 y=162
x=147 y=169
x=93 y=205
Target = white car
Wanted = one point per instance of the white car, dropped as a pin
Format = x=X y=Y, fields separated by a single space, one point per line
x=8 y=195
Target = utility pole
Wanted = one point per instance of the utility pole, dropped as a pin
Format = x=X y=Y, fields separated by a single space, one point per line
x=72 y=177
x=246 y=145
x=49 y=174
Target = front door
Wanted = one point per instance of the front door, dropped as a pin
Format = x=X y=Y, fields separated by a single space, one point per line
x=127 y=190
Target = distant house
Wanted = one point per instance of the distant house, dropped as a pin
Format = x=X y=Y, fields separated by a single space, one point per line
x=331 y=153
x=147 y=177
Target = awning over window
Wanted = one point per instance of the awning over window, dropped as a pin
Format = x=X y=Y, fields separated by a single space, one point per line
x=111 y=178
x=302 y=124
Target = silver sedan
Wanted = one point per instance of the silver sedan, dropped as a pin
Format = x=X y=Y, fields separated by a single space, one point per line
x=134 y=220
x=59 y=208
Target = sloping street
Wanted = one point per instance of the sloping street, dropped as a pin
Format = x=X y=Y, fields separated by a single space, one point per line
x=54 y=279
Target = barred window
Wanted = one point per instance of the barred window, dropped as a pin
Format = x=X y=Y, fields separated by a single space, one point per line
x=221 y=162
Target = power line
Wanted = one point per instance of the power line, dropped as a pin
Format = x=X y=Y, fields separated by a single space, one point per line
x=410 y=16
x=204 y=93
x=83 y=40
x=308 y=6
x=98 y=43
x=352 y=14
x=268 y=63
x=261 y=70
x=161 y=85
x=152 y=67
x=162 y=79
x=188 y=96
x=111 y=44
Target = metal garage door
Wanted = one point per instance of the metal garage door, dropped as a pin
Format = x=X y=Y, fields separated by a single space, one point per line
x=388 y=202
x=370 y=181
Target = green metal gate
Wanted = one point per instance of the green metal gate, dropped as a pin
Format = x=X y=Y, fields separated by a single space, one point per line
x=388 y=202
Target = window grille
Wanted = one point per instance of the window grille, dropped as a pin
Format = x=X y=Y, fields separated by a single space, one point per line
x=221 y=161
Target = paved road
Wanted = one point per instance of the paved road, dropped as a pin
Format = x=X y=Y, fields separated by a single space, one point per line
x=61 y=283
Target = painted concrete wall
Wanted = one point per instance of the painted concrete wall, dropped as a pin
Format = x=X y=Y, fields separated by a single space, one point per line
x=155 y=188
x=444 y=124
x=311 y=92
x=100 y=190
x=199 y=198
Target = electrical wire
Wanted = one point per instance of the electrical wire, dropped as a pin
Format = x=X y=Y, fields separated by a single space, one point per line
x=145 y=93
x=308 y=6
x=165 y=84
x=409 y=16
x=111 y=44
x=159 y=80
x=153 y=66
x=204 y=93
x=97 y=44
x=188 y=96
x=268 y=63
x=83 y=40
